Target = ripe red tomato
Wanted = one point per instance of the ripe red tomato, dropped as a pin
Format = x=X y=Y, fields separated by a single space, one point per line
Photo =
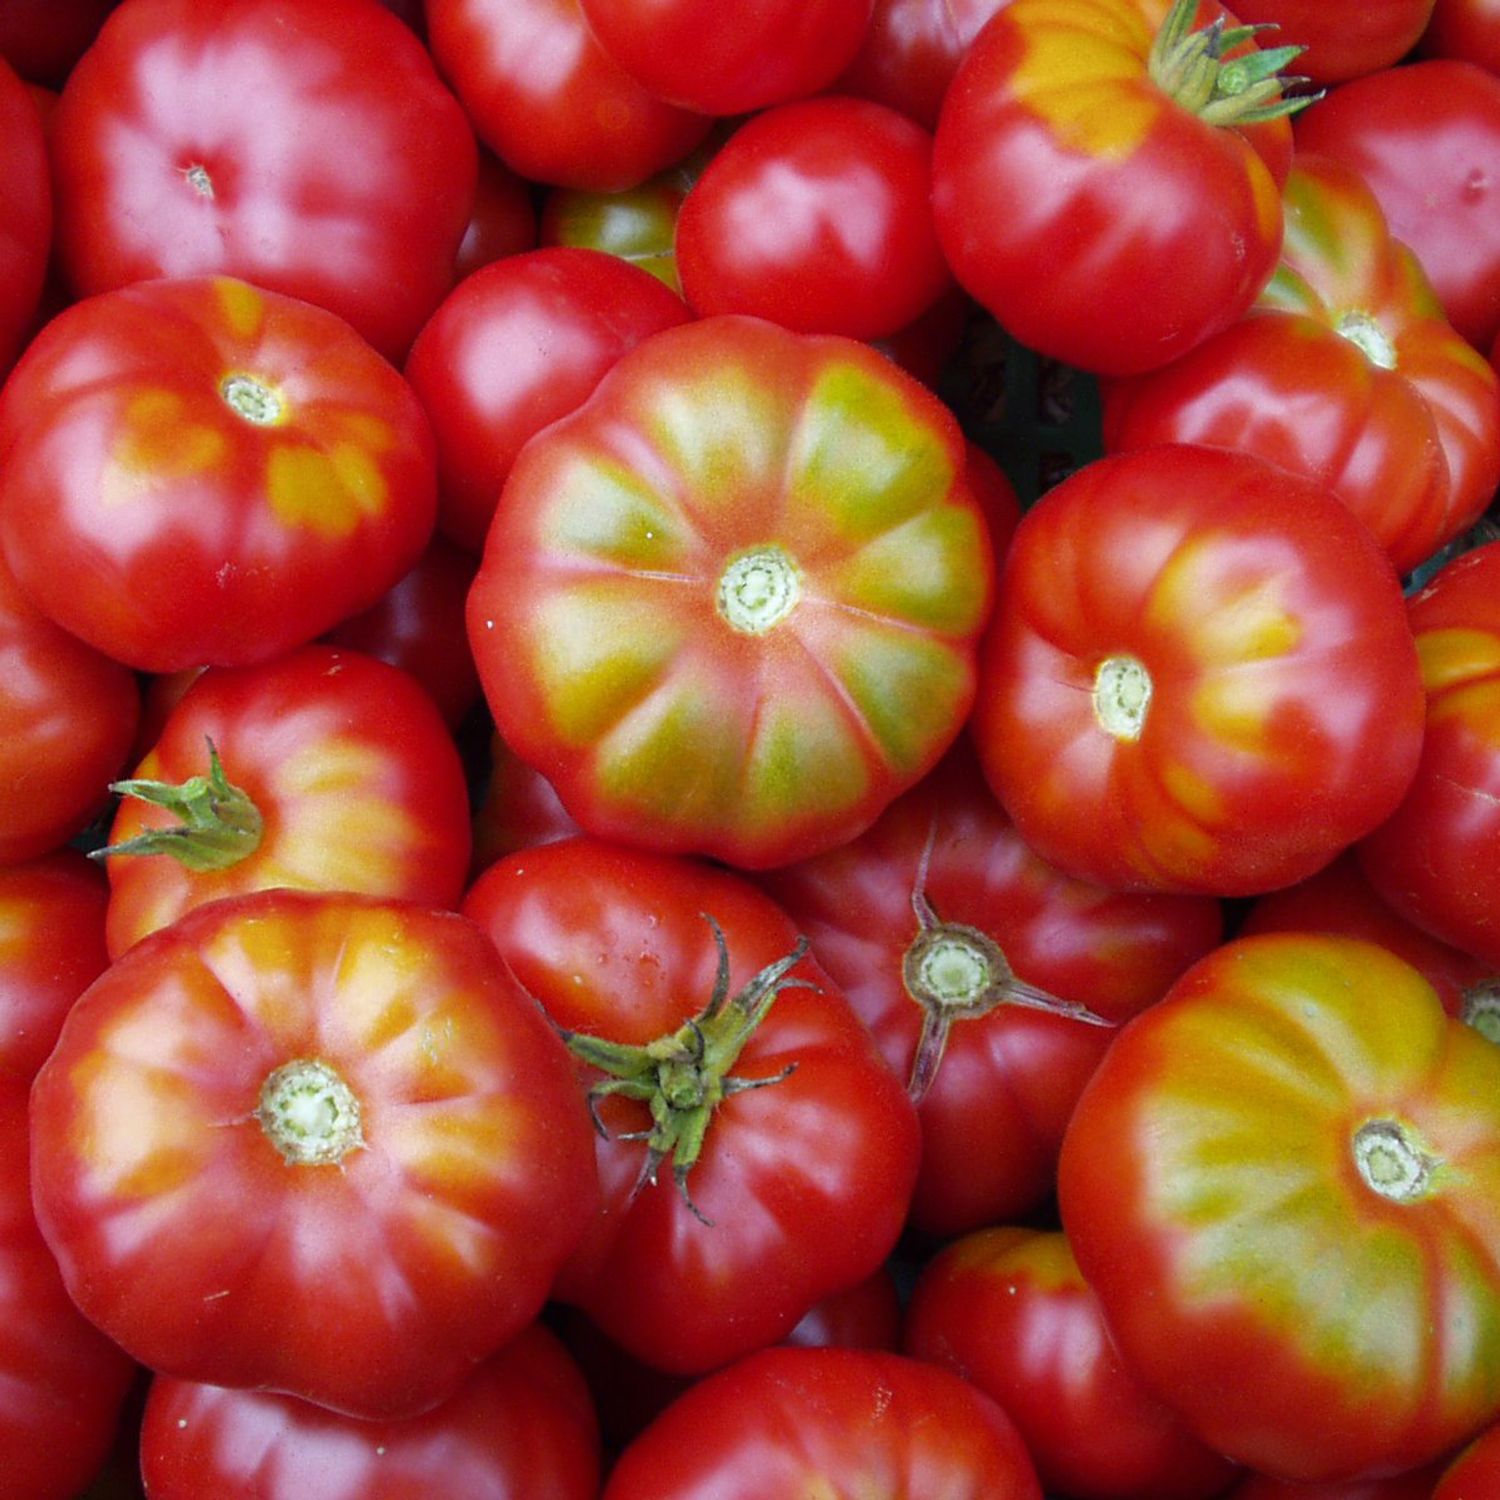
x=42 y=39
x=1467 y=30
x=503 y=221
x=520 y=808
x=25 y=214
x=1199 y=677
x=1475 y=1473
x=1343 y=38
x=199 y=472
x=356 y=1144
x=1415 y=1484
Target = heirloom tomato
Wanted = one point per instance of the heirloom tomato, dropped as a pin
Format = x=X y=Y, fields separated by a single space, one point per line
x=1345 y=370
x=25 y=214
x=990 y=980
x=311 y=1143
x=1291 y=1166
x=1343 y=38
x=755 y=1153
x=1468 y=30
x=1199 y=676
x=310 y=149
x=1106 y=186
x=323 y=770
x=203 y=473
x=521 y=1427
x=730 y=604
x=835 y=1424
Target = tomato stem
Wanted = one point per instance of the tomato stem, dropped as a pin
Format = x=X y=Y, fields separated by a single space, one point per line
x=1390 y=1162
x=1481 y=1008
x=310 y=1114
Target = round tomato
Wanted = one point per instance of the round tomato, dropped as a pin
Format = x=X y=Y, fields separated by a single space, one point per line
x=25 y=214
x=1468 y=30
x=520 y=808
x=1343 y=38
x=355 y=1145
x=503 y=222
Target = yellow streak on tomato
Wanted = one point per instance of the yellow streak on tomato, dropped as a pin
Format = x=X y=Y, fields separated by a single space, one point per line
x=1268 y=206
x=365 y=429
x=1082 y=70
x=986 y=1248
x=804 y=754
x=1475 y=705
x=19 y=918
x=243 y=307
x=1173 y=843
x=329 y=493
x=263 y=962
x=921 y=572
x=1235 y=708
x=1252 y=625
x=605 y=511
x=1200 y=799
x=157 y=442
x=1456 y=655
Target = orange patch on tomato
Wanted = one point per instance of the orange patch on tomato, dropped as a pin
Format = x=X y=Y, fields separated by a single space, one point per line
x=242 y=306
x=158 y=441
x=327 y=492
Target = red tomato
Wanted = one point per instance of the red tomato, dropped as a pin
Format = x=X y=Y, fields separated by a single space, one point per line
x=520 y=808
x=1415 y=1484
x=729 y=57
x=521 y=1425
x=201 y=473
x=1468 y=30
x=334 y=772
x=1426 y=138
x=816 y=215
x=1009 y=1310
x=548 y=100
x=970 y=960
x=1475 y=1474
x=1343 y=38
x=730 y=604
x=503 y=222
x=513 y=348
x=67 y=721
x=837 y=1424
x=42 y=39
x=353 y=1140
x=1084 y=200
x=25 y=214
x=1199 y=677
x=781 y=1162
x=1270 y=1174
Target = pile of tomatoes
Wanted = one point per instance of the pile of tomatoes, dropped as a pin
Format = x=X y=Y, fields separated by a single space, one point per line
x=591 y=908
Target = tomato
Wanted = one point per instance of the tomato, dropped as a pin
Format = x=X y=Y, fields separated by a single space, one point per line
x=782 y=1157
x=348 y=1134
x=201 y=473
x=866 y=1315
x=1199 y=677
x=730 y=604
x=1425 y=138
x=1415 y=1484
x=729 y=57
x=1434 y=860
x=520 y=808
x=522 y=1424
x=42 y=39
x=816 y=216
x=1468 y=30
x=838 y=1424
x=519 y=344
x=25 y=214
x=1343 y=38
x=1008 y=1310
x=324 y=770
x=67 y=720
x=1083 y=198
x=983 y=974
x=1475 y=1474
x=503 y=221
x=1270 y=1173
x=1346 y=371
x=548 y=100
x=64 y=1381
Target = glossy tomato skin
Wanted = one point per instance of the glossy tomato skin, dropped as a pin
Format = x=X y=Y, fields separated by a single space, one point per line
x=522 y=1424
x=698 y=614
x=520 y=808
x=1009 y=1311
x=1271 y=1172
x=1344 y=38
x=548 y=99
x=1059 y=215
x=1345 y=370
x=804 y=1182
x=349 y=767
x=424 y=1227
x=503 y=222
x=842 y=1423
x=1200 y=676
x=994 y=1114
x=25 y=213
x=816 y=215
x=42 y=39
x=1467 y=30
x=309 y=149
x=277 y=474
x=1425 y=138
x=517 y=345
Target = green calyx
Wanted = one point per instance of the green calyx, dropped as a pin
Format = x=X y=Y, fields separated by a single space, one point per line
x=220 y=824
x=1191 y=66
x=684 y=1077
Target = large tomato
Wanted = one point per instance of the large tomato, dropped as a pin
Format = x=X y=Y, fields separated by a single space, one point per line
x=25 y=213
x=313 y=1143
x=310 y=149
x=1291 y=1166
x=1199 y=677
x=731 y=604
x=202 y=473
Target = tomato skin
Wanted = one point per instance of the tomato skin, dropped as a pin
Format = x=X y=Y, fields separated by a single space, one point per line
x=627 y=648
x=1425 y=138
x=1467 y=30
x=1416 y=1484
x=1475 y=1473
x=513 y=348
x=1009 y=1311
x=25 y=213
x=1284 y=712
x=1266 y=1172
x=548 y=99
x=249 y=534
x=371 y=1284
x=522 y=1424
x=503 y=222
x=520 y=808
x=1399 y=417
x=1344 y=38
x=786 y=1424
x=43 y=39
x=1059 y=222
x=805 y=1182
